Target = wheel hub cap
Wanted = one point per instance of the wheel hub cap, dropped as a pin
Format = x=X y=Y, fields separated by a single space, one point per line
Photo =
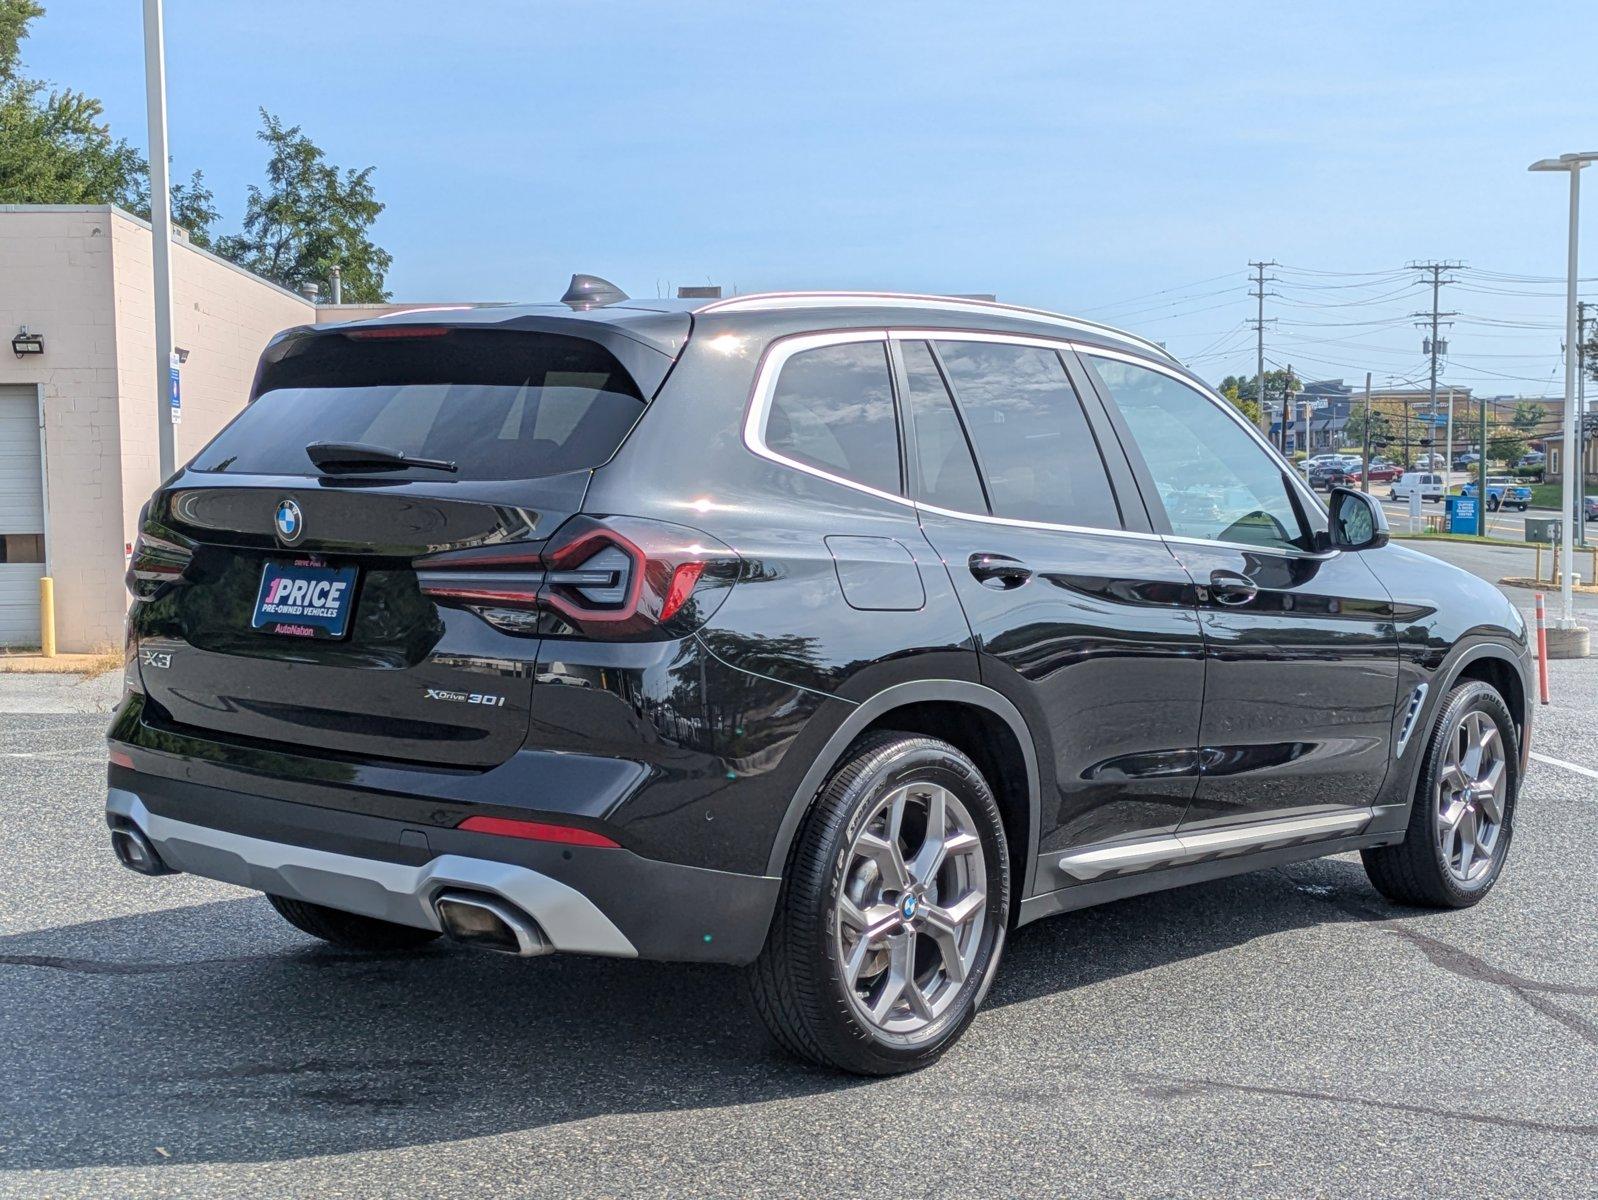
x=1469 y=802
x=911 y=914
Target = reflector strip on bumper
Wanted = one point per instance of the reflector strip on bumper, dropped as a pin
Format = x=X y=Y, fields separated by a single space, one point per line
x=372 y=887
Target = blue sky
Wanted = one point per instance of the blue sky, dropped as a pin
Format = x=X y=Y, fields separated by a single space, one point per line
x=1123 y=161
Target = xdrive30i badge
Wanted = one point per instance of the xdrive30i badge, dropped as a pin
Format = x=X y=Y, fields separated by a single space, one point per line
x=466 y=697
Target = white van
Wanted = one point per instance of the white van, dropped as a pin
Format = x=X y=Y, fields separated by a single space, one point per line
x=1429 y=484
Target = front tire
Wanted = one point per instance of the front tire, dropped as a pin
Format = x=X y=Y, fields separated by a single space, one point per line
x=1462 y=820
x=893 y=911
x=349 y=930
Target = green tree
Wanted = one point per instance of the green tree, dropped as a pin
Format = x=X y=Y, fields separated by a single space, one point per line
x=1528 y=415
x=1507 y=443
x=1249 y=408
x=1246 y=386
x=310 y=218
x=1380 y=427
x=193 y=207
x=55 y=147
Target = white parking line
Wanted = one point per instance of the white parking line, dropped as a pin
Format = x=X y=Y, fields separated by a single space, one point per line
x=1569 y=766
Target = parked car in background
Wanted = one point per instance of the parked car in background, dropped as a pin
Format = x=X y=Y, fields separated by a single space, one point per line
x=1381 y=471
x=1465 y=461
x=895 y=623
x=1327 y=475
x=1429 y=484
x=1430 y=462
x=1502 y=492
x=1589 y=508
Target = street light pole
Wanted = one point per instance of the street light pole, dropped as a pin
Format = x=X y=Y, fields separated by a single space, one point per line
x=160 y=232
x=1573 y=163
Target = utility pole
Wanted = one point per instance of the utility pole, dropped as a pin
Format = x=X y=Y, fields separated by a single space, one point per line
x=1580 y=515
x=1448 y=446
x=1259 y=293
x=1481 y=479
x=1287 y=409
x=1365 y=471
x=1433 y=345
x=160 y=237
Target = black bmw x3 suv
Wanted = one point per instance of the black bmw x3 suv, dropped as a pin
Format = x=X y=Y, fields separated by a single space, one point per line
x=836 y=635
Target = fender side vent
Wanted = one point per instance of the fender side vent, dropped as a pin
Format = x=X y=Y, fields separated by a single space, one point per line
x=1411 y=714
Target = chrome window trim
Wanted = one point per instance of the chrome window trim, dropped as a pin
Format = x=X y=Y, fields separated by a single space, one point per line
x=776 y=357
x=759 y=301
x=781 y=350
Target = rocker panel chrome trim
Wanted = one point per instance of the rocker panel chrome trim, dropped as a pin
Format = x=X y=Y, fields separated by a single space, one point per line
x=1197 y=845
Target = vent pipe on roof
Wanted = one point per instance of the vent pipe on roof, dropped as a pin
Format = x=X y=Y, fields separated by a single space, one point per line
x=590 y=291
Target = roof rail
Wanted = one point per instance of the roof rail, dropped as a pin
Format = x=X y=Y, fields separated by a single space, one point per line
x=758 y=301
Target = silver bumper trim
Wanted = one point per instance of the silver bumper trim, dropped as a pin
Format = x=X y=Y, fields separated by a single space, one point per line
x=374 y=888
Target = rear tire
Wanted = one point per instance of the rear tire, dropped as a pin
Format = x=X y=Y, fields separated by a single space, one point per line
x=880 y=896
x=1461 y=823
x=350 y=930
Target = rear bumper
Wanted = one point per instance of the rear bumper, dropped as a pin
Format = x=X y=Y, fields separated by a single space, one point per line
x=586 y=900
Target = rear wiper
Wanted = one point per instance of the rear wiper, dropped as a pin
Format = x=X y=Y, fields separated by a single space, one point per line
x=350 y=458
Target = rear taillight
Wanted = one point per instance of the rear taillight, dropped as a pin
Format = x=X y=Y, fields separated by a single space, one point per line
x=155 y=562
x=608 y=577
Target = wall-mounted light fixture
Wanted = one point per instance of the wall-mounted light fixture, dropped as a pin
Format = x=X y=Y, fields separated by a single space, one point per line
x=26 y=343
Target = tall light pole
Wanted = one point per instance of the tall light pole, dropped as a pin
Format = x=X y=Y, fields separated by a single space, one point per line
x=160 y=231
x=1573 y=163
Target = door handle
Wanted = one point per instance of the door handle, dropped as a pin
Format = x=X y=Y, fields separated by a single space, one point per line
x=1232 y=589
x=999 y=571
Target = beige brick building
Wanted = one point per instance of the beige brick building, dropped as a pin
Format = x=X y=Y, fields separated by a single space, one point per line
x=78 y=432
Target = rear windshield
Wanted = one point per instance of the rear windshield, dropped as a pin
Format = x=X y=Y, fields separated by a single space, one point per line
x=498 y=404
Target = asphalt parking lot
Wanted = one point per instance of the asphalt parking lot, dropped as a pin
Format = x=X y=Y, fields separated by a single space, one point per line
x=1285 y=1033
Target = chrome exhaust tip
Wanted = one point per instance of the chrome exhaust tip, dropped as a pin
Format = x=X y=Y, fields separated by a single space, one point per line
x=134 y=851
x=478 y=919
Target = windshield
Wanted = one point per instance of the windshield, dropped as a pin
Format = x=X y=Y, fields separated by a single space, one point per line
x=500 y=405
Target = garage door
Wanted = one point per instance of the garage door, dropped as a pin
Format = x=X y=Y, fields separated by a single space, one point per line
x=21 y=516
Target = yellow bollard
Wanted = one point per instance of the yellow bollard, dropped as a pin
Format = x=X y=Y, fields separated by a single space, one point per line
x=47 y=616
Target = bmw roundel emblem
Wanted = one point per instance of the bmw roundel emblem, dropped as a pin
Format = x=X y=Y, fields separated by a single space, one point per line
x=908 y=906
x=288 y=522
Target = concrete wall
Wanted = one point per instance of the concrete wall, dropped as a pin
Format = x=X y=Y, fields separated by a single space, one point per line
x=81 y=277
x=56 y=278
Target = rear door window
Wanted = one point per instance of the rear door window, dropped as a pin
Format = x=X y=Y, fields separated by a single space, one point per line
x=946 y=474
x=1036 y=450
x=832 y=409
x=498 y=404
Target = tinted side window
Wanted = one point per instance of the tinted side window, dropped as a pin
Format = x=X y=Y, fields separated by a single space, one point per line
x=833 y=409
x=1033 y=441
x=946 y=474
x=1215 y=480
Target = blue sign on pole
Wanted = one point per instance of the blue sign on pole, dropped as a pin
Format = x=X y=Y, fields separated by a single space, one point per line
x=175 y=398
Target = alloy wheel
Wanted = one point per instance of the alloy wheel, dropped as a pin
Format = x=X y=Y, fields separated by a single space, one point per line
x=1471 y=787
x=911 y=912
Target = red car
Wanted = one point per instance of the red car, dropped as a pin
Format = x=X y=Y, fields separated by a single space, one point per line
x=1380 y=472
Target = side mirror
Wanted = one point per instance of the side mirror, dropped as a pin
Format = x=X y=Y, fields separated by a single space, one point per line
x=1358 y=522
